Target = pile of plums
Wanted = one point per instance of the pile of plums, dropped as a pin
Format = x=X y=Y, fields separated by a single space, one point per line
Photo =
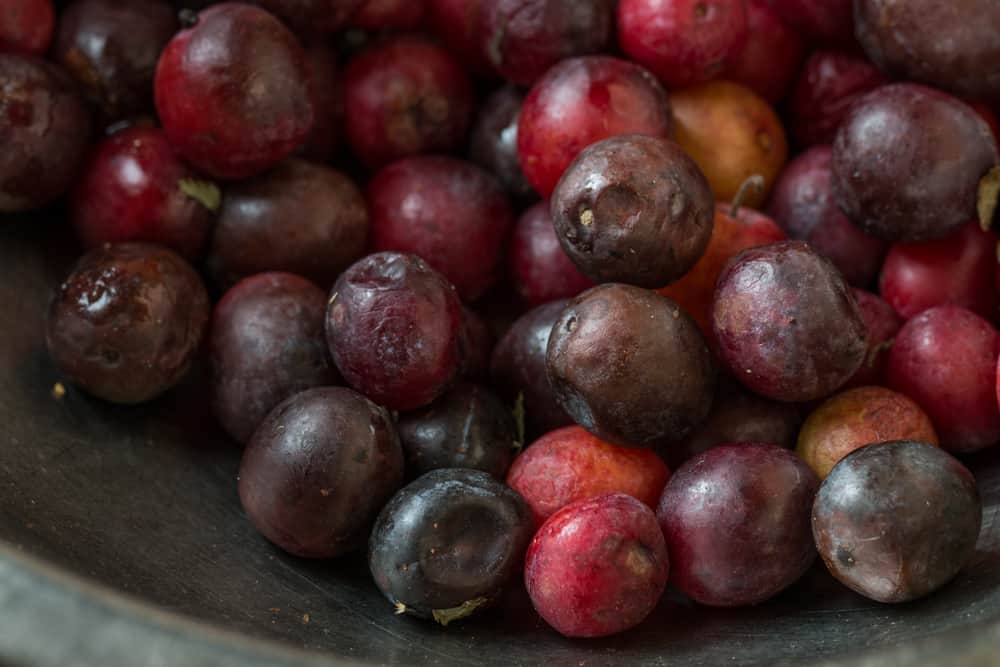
x=746 y=241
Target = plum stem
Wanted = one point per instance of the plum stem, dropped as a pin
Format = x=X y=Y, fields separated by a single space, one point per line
x=467 y=608
x=989 y=198
x=753 y=185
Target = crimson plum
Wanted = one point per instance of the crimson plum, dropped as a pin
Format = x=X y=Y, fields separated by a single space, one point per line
x=597 y=567
x=318 y=470
x=26 y=26
x=830 y=21
x=393 y=326
x=787 y=324
x=456 y=23
x=883 y=324
x=579 y=102
x=771 y=56
x=539 y=267
x=447 y=211
x=736 y=523
x=328 y=104
x=389 y=14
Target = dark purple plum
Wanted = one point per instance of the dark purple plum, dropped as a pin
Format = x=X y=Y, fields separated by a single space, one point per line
x=266 y=345
x=468 y=427
x=448 y=544
x=313 y=16
x=394 y=329
x=736 y=521
x=895 y=521
x=128 y=321
x=630 y=366
x=787 y=323
x=493 y=140
x=318 y=470
x=477 y=342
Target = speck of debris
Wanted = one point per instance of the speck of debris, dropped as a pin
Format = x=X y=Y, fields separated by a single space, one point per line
x=305 y=618
x=274 y=610
x=58 y=391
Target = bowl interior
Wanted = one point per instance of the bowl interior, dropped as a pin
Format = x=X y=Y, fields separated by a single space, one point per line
x=143 y=501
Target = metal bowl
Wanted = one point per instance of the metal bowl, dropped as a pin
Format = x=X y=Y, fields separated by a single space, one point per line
x=124 y=545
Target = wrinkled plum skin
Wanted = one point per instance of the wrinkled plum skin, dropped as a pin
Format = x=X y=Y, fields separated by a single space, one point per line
x=882 y=324
x=318 y=470
x=633 y=209
x=493 y=141
x=518 y=366
x=450 y=537
x=803 y=205
x=682 y=41
x=44 y=131
x=26 y=26
x=884 y=553
x=539 y=268
x=605 y=362
x=579 y=102
x=830 y=21
x=266 y=344
x=309 y=16
x=393 y=326
x=447 y=211
x=300 y=217
x=597 y=567
x=404 y=96
x=952 y=45
x=736 y=522
x=771 y=56
x=945 y=360
x=111 y=48
x=522 y=39
x=907 y=162
x=200 y=85
x=960 y=269
x=738 y=415
x=468 y=427
x=787 y=323
x=130 y=190
x=127 y=322
x=828 y=86
x=569 y=465
x=857 y=418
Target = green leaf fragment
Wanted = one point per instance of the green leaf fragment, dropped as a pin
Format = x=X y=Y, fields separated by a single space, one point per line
x=467 y=608
x=989 y=198
x=519 y=421
x=205 y=193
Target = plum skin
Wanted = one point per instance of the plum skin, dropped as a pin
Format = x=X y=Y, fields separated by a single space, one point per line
x=897 y=520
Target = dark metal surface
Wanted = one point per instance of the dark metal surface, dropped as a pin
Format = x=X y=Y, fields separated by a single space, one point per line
x=125 y=546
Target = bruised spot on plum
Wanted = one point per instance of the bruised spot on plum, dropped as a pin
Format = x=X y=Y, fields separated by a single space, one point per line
x=639 y=560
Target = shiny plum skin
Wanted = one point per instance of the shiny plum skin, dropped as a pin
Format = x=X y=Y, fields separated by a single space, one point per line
x=828 y=86
x=266 y=344
x=300 y=217
x=26 y=26
x=829 y=21
x=112 y=47
x=318 y=470
x=518 y=367
x=738 y=415
x=771 y=56
x=597 y=567
x=453 y=537
x=539 y=267
x=857 y=418
x=312 y=16
x=133 y=189
x=389 y=14
x=682 y=41
x=959 y=269
x=951 y=45
x=695 y=291
x=803 y=205
x=404 y=96
x=787 y=324
x=127 y=323
x=606 y=364
x=493 y=141
x=870 y=532
x=944 y=359
x=579 y=102
x=468 y=427
x=447 y=211
x=633 y=209
x=328 y=104
x=883 y=324
x=522 y=39
x=732 y=134
x=393 y=326
x=736 y=522
x=569 y=465
x=907 y=162
x=201 y=99
x=457 y=24
x=44 y=130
